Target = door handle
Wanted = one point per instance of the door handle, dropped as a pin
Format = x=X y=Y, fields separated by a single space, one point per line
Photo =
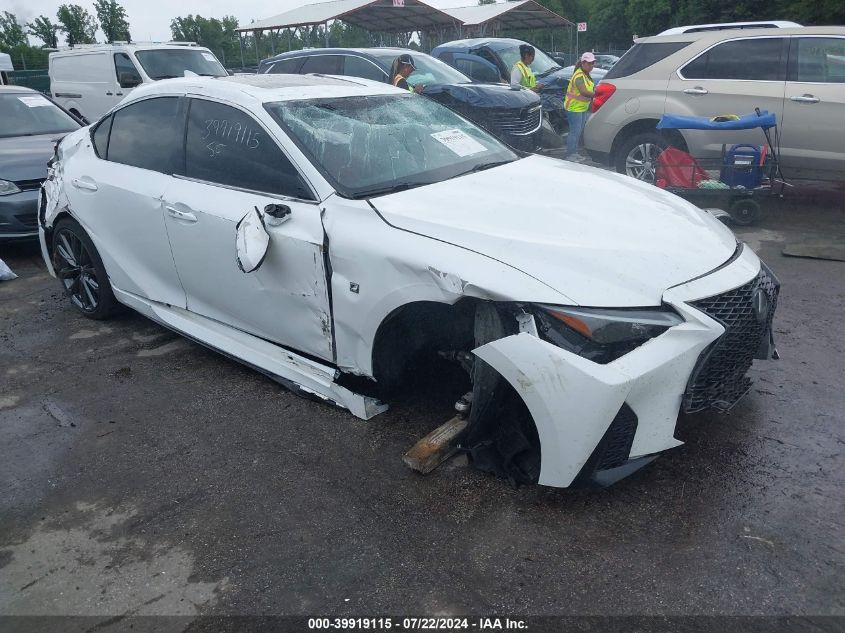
x=185 y=216
x=277 y=213
x=119 y=94
x=87 y=185
x=805 y=99
x=698 y=90
x=109 y=93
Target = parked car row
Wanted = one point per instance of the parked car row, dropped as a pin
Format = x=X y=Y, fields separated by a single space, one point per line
x=337 y=234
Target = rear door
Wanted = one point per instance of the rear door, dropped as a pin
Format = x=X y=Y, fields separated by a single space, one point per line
x=323 y=64
x=732 y=77
x=116 y=193
x=232 y=166
x=813 y=130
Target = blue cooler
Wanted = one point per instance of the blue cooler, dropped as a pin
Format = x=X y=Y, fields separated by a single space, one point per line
x=742 y=166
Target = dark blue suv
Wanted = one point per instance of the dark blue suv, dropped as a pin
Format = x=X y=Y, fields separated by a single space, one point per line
x=512 y=116
x=495 y=56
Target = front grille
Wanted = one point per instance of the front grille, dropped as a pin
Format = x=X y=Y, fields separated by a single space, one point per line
x=29 y=185
x=718 y=379
x=29 y=220
x=518 y=122
x=615 y=446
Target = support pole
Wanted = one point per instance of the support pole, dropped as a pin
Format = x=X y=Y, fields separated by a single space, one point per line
x=241 y=45
x=255 y=35
x=272 y=44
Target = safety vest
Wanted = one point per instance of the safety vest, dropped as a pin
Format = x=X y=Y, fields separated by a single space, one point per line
x=399 y=78
x=575 y=101
x=528 y=78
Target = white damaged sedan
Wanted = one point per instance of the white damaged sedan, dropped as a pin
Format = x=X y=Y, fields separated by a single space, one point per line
x=331 y=232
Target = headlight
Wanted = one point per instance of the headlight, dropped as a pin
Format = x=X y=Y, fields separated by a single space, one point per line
x=7 y=187
x=602 y=334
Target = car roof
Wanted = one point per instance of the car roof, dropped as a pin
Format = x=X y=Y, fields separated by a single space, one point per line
x=496 y=42
x=728 y=34
x=247 y=89
x=373 y=51
x=724 y=26
x=120 y=46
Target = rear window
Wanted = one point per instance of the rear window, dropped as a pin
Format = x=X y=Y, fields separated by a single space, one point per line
x=641 y=56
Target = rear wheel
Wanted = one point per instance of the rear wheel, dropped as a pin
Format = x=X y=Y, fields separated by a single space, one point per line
x=81 y=272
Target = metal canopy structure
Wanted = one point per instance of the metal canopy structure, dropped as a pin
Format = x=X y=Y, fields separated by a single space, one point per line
x=385 y=16
x=522 y=14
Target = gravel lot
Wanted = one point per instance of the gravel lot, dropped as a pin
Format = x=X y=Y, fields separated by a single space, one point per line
x=144 y=474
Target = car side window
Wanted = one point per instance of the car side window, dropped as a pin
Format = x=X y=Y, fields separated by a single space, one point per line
x=227 y=146
x=101 y=137
x=476 y=70
x=143 y=134
x=126 y=72
x=323 y=64
x=817 y=60
x=286 y=66
x=355 y=66
x=754 y=59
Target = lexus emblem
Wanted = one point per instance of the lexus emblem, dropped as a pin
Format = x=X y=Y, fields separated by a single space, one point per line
x=760 y=302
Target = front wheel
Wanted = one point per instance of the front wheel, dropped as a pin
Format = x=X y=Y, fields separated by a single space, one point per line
x=745 y=212
x=81 y=272
x=637 y=156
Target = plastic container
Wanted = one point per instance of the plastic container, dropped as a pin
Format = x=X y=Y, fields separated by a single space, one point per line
x=742 y=166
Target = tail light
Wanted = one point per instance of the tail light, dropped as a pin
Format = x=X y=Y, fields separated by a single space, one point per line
x=602 y=94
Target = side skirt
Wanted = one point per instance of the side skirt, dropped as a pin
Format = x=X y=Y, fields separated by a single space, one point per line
x=296 y=372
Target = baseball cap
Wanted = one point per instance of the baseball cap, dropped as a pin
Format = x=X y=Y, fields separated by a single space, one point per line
x=588 y=57
x=404 y=58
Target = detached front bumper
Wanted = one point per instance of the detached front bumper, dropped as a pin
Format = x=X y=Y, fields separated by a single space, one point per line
x=599 y=423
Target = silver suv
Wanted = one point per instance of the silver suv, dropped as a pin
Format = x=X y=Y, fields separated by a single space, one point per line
x=796 y=73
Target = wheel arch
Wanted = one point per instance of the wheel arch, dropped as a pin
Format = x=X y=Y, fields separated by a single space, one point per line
x=641 y=126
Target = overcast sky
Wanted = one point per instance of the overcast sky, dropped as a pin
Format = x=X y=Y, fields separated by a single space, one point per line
x=150 y=19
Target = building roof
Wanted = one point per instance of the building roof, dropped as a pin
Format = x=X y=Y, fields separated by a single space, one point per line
x=522 y=14
x=372 y=15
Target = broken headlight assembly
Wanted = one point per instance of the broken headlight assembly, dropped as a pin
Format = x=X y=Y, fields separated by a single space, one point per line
x=602 y=334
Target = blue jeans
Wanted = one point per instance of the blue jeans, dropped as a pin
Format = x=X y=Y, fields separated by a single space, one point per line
x=577 y=121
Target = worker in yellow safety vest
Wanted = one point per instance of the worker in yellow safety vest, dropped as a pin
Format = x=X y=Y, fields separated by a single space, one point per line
x=521 y=74
x=577 y=104
x=402 y=68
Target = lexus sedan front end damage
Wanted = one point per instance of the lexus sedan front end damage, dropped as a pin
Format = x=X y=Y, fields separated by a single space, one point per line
x=338 y=234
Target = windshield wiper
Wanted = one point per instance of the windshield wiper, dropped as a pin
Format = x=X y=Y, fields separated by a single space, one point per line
x=378 y=191
x=484 y=166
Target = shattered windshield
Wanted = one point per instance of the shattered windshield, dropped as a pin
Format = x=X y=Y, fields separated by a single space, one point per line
x=378 y=144
x=166 y=63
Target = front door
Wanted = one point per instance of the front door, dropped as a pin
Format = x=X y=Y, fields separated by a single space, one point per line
x=232 y=166
x=733 y=77
x=813 y=131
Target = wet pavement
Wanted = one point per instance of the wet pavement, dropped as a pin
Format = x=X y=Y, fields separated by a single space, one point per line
x=144 y=474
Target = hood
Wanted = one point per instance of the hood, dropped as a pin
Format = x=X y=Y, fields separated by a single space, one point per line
x=25 y=157
x=560 y=78
x=484 y=95
x=600 y=238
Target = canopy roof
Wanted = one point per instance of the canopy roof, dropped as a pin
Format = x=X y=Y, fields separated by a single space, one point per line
x=522 y=14
x=372 y=15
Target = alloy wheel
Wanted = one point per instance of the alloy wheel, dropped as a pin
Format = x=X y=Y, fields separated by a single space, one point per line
x=75 y=268
x=642 y=161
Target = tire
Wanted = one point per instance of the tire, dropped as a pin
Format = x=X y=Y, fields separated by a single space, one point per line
x=81 y=272
x=745 y=212
x=643 y=149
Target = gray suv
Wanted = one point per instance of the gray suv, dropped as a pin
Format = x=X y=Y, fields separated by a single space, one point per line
x=796 y=73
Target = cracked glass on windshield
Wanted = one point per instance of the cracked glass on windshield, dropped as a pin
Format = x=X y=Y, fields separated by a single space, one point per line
x=166 y=63
x=377 y=144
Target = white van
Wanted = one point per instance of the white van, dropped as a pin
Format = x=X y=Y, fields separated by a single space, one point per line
x=5 y=67
x=90 y=80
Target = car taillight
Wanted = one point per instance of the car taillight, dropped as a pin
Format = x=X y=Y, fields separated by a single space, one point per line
x=603 y=93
